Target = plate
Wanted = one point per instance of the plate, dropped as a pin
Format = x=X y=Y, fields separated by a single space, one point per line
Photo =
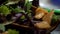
x=49 y=6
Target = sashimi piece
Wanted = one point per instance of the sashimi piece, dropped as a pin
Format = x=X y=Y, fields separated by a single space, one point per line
x=43 y=25
x=48 y=17
x=40 y=12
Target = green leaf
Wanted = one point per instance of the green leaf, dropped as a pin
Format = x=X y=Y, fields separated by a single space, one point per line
x=29 y=15
x=2 y=27
x=28 y=11
x=54 y=19
x=4 y=10
x=13 y=0
x=28 y=5
x=58 y=16
x=26 y=2
x=13 y=31
x=23 y=17
x=18 y=10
